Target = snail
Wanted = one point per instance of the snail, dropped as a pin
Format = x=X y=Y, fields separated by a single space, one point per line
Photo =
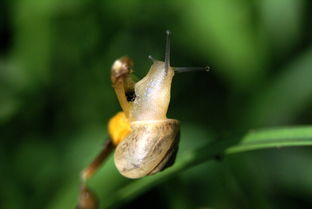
x=144 y=139
x=151 y=138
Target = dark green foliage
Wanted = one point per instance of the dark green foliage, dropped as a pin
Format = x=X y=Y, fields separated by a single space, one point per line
x=56 y=98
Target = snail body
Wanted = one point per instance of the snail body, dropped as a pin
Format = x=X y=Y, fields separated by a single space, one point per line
x=146 y=139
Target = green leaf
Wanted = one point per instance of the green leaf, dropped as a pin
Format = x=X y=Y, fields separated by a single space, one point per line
x=257 y=139
x=273 y=138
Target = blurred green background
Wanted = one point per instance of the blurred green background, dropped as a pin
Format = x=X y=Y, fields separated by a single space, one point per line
x=56 y=97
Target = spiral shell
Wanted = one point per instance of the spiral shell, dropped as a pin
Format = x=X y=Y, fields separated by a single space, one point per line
x=149 y=148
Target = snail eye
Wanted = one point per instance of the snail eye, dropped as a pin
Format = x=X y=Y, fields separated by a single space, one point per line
x=130 y=94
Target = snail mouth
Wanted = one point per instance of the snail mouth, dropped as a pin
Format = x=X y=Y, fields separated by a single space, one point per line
x=169 y=158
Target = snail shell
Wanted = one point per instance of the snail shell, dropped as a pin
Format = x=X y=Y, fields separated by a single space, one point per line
x=149 y=148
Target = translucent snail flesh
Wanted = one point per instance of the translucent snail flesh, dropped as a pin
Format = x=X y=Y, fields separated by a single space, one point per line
x=151 y=142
